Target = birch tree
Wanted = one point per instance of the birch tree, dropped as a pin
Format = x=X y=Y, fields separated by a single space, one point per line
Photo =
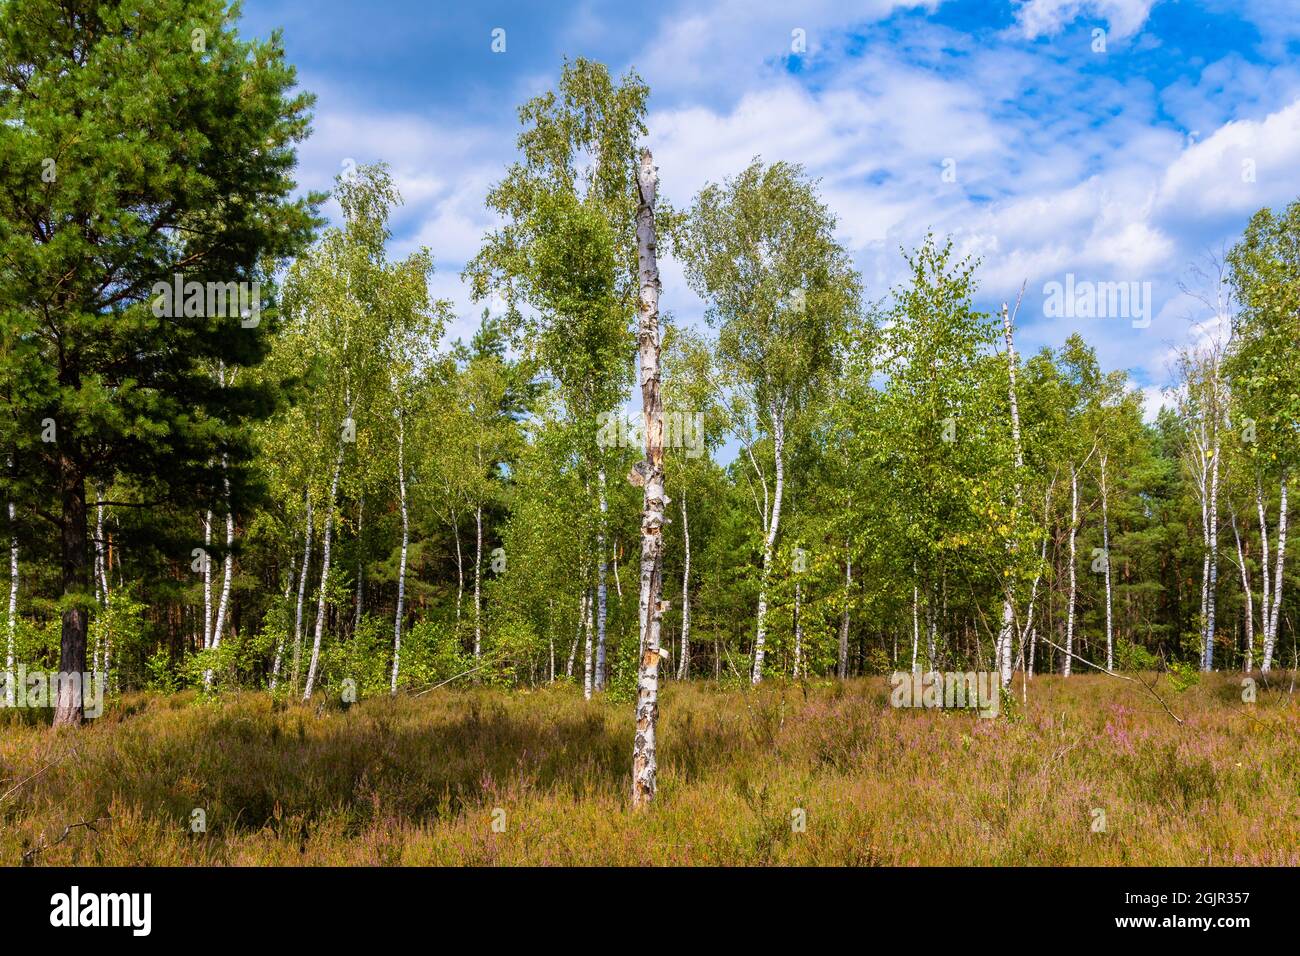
x=649 y=474
x=760 y=249
x=1264 y=272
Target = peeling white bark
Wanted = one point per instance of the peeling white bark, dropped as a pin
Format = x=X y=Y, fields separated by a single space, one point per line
x=644 y=763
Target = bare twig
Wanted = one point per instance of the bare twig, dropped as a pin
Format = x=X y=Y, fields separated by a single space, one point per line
x=1150 y=690
x=29 y=855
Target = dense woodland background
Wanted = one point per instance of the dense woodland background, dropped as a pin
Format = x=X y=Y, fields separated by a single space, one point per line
x=341 y=493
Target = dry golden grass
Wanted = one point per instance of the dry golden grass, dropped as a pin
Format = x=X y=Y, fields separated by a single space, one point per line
x=416 y=781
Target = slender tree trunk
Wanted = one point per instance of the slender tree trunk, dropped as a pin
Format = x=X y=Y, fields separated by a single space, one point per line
x=798 y=632
x=101 y=573
x=1212 y=531
x=228 y=567
x=778 y=440
x=326 y=545
x=1074 y=530
x=602 y=590
x=1028 y=632
x=361 y=564
x=573 y=650
x=279 y=645
x=76 y=588
x=916 y=627
x=478 y=576
x=207 y=579
x=644 y=766
x=587 y=662
x=406 y=539
x=12 y=632
x=460 y=568
x=1249 y=597
x=1270 y=638
x=302 y=594
x=842 y=662
x=931 y=633
x=1265 y=581
x=1105 y=550
x=684 y=663
x=1008 y=609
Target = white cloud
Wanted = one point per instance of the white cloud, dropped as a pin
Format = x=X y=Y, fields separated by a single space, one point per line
x=1240 y=167
x=1049 y=17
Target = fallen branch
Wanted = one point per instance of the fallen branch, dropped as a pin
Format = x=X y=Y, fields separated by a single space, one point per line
x=1150 y=690
x=29 y=855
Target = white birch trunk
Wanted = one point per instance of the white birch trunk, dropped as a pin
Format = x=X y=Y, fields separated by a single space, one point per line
x=602 y=591
x=842 y=663
x=10 y=689
x=1270 y=638
x=1105 y=550
x=406 y=539
x=778 y=441
x=207 y=579
x=684 y=664
x=587 y=659
x=1212 y=532
x=577 y=636
x=1074 y=530
x=1250 y=598
x=478 y=576
x=460 y=570
x=361 y=564
x=326 y=545
x=228 y=567
x=651 y=605
x=279 y=646
x=916 y=627
x=1008 y=610
x=302 y=594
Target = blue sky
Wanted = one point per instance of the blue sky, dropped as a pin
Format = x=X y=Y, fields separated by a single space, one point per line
x=1126 y=164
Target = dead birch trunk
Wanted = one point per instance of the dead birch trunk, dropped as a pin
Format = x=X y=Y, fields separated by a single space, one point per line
x=1008 y=610
x=651 y=477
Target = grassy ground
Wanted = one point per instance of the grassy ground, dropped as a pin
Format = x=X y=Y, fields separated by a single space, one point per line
x=416 y=781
